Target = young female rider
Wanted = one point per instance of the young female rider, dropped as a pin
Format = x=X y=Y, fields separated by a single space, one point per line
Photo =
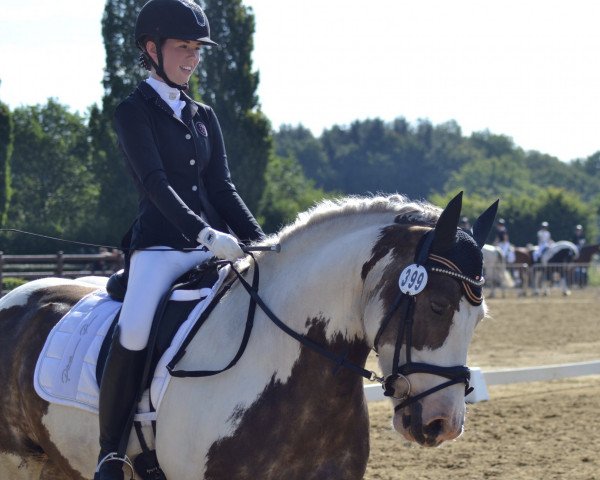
x=175 y=152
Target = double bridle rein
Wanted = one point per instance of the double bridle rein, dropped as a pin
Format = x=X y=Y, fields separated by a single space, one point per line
x=397 y=385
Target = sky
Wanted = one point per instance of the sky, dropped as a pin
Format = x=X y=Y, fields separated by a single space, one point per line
x=525 y=69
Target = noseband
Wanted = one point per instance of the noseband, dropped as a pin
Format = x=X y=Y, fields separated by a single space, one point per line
x=412 y=282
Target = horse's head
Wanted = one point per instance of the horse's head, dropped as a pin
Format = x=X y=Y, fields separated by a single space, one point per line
x=425 y=302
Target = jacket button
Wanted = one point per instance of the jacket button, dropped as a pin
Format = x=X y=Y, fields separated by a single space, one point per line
x=187 y=136
x=194 y=188
x=192 y=162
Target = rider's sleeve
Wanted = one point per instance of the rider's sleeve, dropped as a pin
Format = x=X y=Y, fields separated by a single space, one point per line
x=137 y=142
x=222 y=192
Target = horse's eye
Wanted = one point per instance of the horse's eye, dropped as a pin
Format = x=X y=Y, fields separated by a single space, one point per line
x=439 y=307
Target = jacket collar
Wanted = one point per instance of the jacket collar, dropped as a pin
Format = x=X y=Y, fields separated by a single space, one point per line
x=152 y=95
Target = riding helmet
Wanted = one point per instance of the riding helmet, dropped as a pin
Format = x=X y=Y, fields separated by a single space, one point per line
x=162 y=19
x=180 y=19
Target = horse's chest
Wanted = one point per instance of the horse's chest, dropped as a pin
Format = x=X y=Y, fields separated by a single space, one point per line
x=292 y=433
x=314 y=426
x=311 y=425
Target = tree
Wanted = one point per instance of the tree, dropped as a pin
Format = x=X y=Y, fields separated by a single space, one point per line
x=299 y=143
x=54 y=189
x=228 y=84
x=287 y=192
x=117 y=197
x=6 y=149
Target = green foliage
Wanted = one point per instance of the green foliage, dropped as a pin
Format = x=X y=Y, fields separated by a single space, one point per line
x=6 y=149
x=493 y=176
x=55 y=192
x=122 y=72
x=287 y=192
x=228 y=84
x=524 y=213
x=299 y=142
x=10 y=283
x=594 y=277
x=117 y=197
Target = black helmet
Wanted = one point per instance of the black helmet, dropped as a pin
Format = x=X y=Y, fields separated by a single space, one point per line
x=180 y=19
x=162 y=19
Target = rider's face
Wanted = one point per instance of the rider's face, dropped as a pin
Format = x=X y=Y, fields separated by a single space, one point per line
x=180 y=58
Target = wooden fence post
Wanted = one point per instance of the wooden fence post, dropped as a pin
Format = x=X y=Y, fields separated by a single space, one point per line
x=59 y=263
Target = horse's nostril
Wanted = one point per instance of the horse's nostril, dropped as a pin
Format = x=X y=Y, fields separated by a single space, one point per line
x=434 y=429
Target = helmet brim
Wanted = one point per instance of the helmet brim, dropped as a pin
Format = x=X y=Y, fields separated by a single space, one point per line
x=202 y=40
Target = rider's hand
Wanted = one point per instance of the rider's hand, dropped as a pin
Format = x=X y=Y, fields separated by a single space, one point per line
x=221 y=245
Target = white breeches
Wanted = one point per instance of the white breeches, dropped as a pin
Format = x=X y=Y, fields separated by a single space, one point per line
x=151 y=273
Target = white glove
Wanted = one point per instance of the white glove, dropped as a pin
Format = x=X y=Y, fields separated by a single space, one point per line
x=222 y=245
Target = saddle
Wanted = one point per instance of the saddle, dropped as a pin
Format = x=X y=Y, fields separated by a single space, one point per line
x=168 y=320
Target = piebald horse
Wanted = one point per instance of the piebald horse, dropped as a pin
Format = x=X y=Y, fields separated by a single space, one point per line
x=343 y=280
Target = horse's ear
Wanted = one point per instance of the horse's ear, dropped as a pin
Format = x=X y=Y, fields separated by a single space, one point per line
x=483 y=225
x=445 y=229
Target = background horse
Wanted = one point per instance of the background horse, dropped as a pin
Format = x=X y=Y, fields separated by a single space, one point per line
x=553 y=267
x=282 y=411
x=580 y=271
x=495 y=271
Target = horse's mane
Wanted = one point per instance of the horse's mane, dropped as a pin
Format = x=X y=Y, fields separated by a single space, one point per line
x=405 y=211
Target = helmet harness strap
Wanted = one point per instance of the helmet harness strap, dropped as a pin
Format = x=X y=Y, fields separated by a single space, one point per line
x=146 y=59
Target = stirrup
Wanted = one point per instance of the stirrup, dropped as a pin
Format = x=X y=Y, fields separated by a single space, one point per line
x=114 y=457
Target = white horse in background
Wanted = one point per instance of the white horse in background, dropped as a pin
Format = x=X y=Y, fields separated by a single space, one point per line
x=496 y=273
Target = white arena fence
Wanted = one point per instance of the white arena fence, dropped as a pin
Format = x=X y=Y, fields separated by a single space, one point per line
x=481 y=379
x=526 y=277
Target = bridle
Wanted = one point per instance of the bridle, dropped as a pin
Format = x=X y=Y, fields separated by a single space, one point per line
x=412 y=281
x=397 y=385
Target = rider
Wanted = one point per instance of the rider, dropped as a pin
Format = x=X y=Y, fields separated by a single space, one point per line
x=508 y=250
x=174 y=150
x=500 y=230
x=578 y=237
x=544 y=241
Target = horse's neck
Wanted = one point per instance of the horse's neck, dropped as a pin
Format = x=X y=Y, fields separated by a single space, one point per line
x=317 y=291
x=319 y=281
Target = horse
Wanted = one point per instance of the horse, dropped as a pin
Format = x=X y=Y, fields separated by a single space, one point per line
x=580 y=271
x=553 y=267
x=496 y=273
x=354 y=274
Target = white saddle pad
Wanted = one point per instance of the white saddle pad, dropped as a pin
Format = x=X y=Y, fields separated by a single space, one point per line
x=65 y=372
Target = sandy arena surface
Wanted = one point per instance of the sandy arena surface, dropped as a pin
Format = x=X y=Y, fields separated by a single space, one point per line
x=537 y=430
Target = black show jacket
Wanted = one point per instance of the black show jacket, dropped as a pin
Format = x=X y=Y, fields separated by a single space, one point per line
x=180 y=170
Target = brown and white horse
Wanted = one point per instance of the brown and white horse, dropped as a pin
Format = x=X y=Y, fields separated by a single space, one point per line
x=282 y=411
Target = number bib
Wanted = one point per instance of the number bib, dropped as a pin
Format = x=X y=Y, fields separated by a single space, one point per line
x=413 y=279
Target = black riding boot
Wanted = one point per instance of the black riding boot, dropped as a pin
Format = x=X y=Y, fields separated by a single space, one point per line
x=118 y=389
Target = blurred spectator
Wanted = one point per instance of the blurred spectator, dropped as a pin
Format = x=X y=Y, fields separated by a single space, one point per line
x=578 y=237
x=500 y=230
x=465 y=224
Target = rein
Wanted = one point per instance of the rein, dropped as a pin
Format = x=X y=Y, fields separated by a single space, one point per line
x=255 y=299
x=454 y=374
